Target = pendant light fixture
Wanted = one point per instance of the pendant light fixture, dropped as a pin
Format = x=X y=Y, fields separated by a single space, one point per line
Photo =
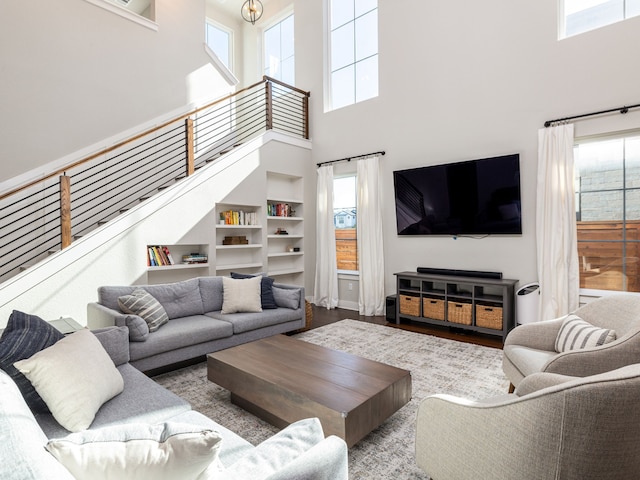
x=251 y=11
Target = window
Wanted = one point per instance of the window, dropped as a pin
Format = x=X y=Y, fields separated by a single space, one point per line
x=279 y=58
x=218 y=39
x=607 y=179
x=353 y=47
x=580 y=16
x=344 y=219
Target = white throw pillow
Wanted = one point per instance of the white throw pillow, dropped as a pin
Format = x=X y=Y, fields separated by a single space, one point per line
x=241 y=295
x=138 y=451
x=575 y=334
x=74 y=377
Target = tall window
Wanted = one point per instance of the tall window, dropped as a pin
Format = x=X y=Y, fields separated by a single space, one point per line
x=607 y=179
x=353 y=49
x=580 y=16
x=279 y=53
x=218 y=39
x=344 y=219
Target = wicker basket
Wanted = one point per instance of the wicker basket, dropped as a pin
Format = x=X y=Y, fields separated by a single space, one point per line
x=410 y=305
x=459 y=313
x=433 y=308
x=308 y=314
x=488 y=316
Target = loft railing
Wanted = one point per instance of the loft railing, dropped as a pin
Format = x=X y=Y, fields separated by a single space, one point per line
x=46 y=215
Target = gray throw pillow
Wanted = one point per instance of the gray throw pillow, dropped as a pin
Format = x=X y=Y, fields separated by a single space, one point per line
x=24 y=336
x=138 y=328
x=287 y=297
x=143 y=304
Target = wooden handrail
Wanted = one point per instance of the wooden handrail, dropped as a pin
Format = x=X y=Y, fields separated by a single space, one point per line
x=136 y=137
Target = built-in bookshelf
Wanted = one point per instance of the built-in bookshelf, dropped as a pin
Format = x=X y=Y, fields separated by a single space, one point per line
x=285 y=228
x=176 y=257
x=238 y=240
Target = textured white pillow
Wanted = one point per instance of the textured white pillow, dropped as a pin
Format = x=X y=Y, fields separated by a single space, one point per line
x=138 y=451
x=241 y=295
x=575 y=334
x=74 y=377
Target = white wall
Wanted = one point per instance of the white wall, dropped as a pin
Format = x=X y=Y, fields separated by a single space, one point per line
x=73 y=74
x=465 y=80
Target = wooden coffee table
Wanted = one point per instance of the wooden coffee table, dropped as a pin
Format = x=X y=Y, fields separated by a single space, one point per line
x=281 y=380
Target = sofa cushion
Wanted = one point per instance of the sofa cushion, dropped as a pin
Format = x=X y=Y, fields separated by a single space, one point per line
x=179 y=299
x=179 y=333
x=24 y=336
x=134 y=451
x=211 y=292
x=575 y=334
x=146 y=306
x=141 y=401
x=241 y=295
x=287 y=297
x=247 y=321
x=266 y=289
x=115 y=342
x=22 y=446
x=74 y=377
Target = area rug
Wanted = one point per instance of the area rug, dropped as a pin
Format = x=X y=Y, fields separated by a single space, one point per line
x=437 y=365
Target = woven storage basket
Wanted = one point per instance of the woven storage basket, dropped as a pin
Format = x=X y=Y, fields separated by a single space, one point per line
x=433 y=308
x=459 y=313
x=488 y=316
x=308 y=314
x=410 y=305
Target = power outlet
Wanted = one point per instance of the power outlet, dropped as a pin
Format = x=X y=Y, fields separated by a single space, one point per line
x=350 y=286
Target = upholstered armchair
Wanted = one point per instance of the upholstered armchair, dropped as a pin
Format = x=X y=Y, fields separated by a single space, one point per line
x=561 y=428
x=531 y=347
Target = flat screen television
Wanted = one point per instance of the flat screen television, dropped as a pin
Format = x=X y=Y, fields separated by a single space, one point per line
x=474 y=197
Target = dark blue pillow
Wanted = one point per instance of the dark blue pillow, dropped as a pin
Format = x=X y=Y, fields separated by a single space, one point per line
x=24 y=336
x=266 y=289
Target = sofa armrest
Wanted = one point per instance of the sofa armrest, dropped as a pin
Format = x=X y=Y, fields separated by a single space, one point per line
x=99 y=316
x=538 y=335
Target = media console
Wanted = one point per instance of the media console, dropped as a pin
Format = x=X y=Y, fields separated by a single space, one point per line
x=474 y=303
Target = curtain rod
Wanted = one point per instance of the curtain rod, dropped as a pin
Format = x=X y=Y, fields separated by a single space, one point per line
x=623 y=110
x=348 y=159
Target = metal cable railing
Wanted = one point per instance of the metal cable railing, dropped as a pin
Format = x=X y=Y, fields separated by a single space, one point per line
x=44 y=216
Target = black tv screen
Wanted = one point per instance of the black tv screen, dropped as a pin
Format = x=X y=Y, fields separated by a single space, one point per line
x=475 y=197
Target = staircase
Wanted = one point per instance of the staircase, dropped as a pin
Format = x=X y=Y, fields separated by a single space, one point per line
x=43 y=217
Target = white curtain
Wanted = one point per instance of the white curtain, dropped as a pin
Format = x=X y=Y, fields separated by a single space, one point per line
x=369 y=238
x=326 y=285
x=556 y=237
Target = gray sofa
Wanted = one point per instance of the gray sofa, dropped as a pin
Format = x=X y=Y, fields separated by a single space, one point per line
x=196 y=325
x=300 y=451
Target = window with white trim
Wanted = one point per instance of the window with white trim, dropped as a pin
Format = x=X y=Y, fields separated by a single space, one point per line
x=279 y=51
x=579 y=16
x=353 y=51
x=607 y=184
x=220 y=40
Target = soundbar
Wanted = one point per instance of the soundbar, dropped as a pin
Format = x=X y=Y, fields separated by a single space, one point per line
x=460 y=273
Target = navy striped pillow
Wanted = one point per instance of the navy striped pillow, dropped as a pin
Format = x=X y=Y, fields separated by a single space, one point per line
x=575 y=333
x=24 y=336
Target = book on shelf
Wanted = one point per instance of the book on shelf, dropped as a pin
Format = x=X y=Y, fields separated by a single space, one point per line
x=239 y=217
x=280 y=210
x=192 y=258
x=159 y=256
